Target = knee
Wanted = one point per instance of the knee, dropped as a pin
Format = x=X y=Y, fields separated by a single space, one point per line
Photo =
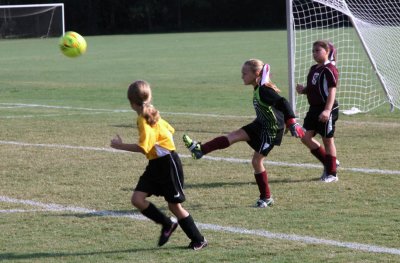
x=254 y=162
x=257 y=164
x=137 y=201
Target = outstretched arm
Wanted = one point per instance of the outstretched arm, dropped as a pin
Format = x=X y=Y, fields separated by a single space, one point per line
x=117 y=143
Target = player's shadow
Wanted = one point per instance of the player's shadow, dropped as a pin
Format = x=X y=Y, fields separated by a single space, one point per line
x=126 y=212
x=55 y=255
x=204 y=185
x=217 y=184
x=291 y=180
x=234 y=184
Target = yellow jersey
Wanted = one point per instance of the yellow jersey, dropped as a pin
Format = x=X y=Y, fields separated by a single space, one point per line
x=156 y=140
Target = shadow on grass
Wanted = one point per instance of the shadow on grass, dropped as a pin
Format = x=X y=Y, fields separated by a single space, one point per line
x=38 y=255
x=289 y=180
x=126 y=212
x=234 y=184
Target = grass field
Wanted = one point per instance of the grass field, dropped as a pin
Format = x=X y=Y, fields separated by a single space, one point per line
x=65 y=194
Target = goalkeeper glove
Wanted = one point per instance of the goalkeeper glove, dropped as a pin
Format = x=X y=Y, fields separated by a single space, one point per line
x=295 y=129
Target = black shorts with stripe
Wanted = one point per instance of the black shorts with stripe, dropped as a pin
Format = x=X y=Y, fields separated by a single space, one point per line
x=261 y=140
x=163 y=177
x=325 y=129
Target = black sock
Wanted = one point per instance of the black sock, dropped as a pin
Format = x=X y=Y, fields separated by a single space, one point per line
x=153 y=213
x=189 y=227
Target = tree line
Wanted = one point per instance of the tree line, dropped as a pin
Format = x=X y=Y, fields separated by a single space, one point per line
x=99 y=17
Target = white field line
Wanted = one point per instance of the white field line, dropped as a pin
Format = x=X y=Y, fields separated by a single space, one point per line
x=225 y=159
x=48 y=115
x=213 y=227
x=19 y=105
x=22 y=105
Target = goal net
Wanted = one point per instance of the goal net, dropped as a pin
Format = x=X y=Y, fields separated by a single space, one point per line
x=31 y=21
x=366 y=35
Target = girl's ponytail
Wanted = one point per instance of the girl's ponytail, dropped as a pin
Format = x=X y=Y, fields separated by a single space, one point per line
x=139 y=93
x=332 y=53
x=150 y=113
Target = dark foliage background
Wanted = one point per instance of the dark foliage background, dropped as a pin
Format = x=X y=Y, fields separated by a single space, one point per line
x=100 y=17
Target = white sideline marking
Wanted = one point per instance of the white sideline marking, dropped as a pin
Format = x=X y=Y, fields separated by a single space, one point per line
x=48 y=115
x=22 y=105
x=217 y=228
x=10 y=211
x=61 y=146
x=231 y=160
x=303 y=165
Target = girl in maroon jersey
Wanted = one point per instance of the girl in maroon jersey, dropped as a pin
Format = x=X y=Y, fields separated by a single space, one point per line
x=323 y=112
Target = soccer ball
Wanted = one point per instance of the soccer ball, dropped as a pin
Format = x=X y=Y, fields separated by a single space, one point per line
x=72 y=44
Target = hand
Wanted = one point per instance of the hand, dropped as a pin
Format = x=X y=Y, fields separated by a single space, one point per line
x=116 y=142
x=295 y=129
x=300 y=88
x=324 y=116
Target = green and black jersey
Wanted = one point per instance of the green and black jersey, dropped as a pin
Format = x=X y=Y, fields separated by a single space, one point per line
x=272 y=110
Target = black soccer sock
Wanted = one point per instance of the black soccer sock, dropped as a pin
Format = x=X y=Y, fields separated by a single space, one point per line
x=153 y=213
x=189 y=227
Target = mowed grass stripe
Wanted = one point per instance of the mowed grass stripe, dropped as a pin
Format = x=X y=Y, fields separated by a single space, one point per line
x=100 y=111
x=212 y=227
x=226 y=159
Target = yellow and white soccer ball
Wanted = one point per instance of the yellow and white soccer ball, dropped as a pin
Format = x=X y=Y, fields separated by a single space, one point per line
x=72 y=44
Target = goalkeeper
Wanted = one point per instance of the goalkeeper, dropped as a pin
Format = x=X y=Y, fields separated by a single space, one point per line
x=272 y=113
x=323 y=112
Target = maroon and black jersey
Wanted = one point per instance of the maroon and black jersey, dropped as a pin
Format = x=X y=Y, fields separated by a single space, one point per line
x=319 y=80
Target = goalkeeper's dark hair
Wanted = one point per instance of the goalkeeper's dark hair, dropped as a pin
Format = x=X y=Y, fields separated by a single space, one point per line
x=139 y=93
x=256 y=67
x=329 y=47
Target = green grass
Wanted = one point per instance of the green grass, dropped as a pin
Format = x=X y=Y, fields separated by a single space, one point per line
x=193 y=73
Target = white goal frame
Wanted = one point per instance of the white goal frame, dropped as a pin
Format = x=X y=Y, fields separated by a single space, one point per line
x=376 y=84
x=50 y=6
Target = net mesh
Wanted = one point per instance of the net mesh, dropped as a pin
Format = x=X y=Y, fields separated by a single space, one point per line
x=31 y=21
x=378 y=23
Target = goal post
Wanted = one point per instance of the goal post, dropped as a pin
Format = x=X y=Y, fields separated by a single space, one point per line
x=365 y=34
x=32 y=21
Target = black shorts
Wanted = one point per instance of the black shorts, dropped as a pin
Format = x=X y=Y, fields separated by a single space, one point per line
x=261 y=140
x=163 y=177
x=325 y=129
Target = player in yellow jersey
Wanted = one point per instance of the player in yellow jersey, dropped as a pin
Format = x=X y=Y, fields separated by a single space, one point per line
x=164 y=174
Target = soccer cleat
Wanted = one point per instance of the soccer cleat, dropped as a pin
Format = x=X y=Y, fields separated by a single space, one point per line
x=166 y=232
x=330 y=178
x=324 y=173
x=262 y=203
x=193 y=146
x=198 y=245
